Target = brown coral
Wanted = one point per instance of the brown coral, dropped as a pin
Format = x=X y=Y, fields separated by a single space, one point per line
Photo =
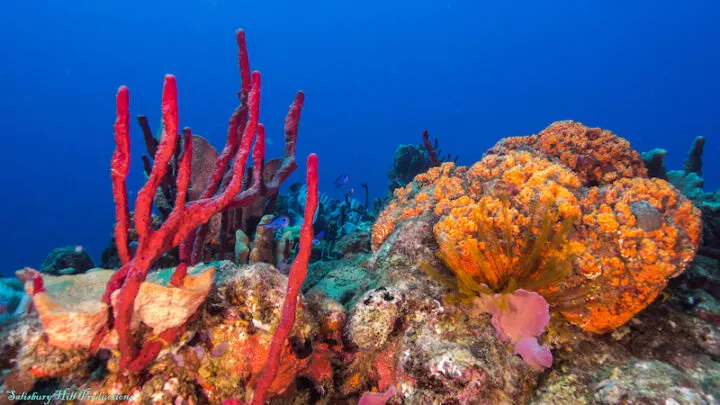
x=568 y=213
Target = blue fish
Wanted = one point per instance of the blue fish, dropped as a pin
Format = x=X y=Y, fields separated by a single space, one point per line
x=278 y=223
x=341 y=180
x=318 y=237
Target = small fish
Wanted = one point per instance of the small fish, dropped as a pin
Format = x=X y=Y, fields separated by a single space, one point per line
x=318 y=237
x=352 y=191
x=341 y=180
x=78 y=249
x=278 y=223
x=133 y=246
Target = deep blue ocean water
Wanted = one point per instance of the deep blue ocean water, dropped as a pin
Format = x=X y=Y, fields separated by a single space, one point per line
x=375 y=73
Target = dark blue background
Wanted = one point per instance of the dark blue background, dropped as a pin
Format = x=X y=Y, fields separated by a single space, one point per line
x=375 y=73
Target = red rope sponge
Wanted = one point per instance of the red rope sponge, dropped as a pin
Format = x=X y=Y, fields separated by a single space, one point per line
x=298 y=271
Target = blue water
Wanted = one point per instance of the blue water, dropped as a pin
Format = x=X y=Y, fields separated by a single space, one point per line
x=376 y=73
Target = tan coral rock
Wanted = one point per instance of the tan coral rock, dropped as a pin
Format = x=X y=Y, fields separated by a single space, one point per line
x=373 y=319
x=70 y=310
x=72 y=313
x=162 y=306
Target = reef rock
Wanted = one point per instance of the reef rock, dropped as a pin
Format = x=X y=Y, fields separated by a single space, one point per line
x=343 y=280
x=67 y=260
x=231 y=344
x=648 y=382
x=431 y=352
x=568 y=213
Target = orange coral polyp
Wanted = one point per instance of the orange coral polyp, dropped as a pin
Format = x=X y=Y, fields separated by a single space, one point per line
x=486 y=241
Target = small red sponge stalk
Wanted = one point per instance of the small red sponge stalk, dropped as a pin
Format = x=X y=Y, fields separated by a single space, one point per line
x=120 y=165
x=38 y=285
x=298 y=271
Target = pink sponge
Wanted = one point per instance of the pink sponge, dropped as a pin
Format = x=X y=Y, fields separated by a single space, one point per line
x=539 y=357
x=519 y=318
x=377 y=398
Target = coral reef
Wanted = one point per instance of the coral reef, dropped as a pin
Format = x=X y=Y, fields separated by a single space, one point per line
x=598 y=241
x=410 y=160
x=561 y=268
x=690 y=182
x=67 y=260
x=477 y=274
x=464 y=343
x=298 y=271
x=187 y=223
x=432 y=352
x=222 y=354
x=236 y=341
x=116 y=310
x=345 y=224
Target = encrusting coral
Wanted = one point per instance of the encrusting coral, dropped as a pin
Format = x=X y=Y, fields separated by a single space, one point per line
x=595 y=155
x=568 y=213
x=638 y=232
